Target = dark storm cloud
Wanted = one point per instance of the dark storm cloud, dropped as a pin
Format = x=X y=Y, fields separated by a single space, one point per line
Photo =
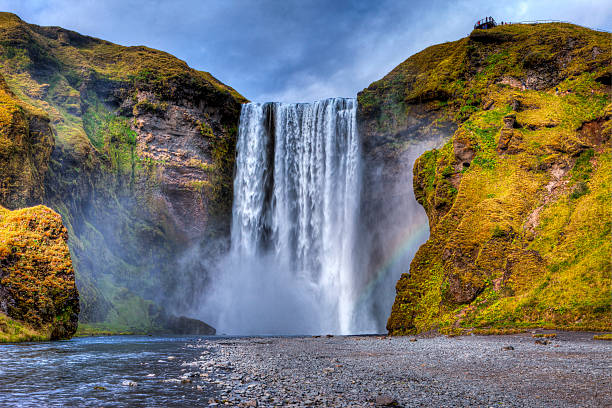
x=293 y=50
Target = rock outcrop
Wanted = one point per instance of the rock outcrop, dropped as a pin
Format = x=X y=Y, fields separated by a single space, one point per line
x=133 y=148
x=186 y=325
x=38 y=295
x=518 y=197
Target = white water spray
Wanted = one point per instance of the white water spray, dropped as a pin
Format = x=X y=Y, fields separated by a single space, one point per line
x=296 y=203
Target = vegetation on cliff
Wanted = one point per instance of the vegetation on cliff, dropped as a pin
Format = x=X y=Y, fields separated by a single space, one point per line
x=518 y=198
x=38 y=295
x=26 y=142
x=111 y=138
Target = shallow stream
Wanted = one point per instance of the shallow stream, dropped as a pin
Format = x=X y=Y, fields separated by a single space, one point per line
x=95 y=371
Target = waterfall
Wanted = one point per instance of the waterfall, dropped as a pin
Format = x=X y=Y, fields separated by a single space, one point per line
x=296 y=204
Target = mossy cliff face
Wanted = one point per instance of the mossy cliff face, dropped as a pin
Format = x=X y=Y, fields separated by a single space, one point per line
x=38 y=295
x=26 y=142
x=132 y=147
x=518 y=198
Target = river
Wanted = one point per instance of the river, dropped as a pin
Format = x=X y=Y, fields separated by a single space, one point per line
x=91 y=371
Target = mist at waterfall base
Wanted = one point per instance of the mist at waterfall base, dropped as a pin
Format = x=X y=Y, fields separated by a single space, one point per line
x=301 y=258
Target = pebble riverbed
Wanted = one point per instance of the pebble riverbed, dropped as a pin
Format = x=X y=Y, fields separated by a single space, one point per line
x=572 y=370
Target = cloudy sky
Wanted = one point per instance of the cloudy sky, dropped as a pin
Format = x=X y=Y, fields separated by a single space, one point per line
x=294 y=50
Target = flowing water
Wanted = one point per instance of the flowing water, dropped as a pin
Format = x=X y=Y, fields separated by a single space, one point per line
x=296 y=202
x=66 y=373
x=308 y=256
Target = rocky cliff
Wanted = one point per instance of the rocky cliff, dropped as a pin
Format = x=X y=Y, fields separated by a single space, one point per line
x=133 y=148
x=518 y=196
x=38 y=295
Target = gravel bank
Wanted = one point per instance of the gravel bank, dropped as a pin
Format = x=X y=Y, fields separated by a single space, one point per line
x=571 y=370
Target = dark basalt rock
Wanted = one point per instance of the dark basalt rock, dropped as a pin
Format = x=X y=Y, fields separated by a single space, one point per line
x=488 y=36
x=186 y=325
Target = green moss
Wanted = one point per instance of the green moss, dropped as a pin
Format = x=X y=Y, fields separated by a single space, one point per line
x=40 y=46
x=93 y=96
x=201 y=186
x=101 y=329
x=498 y=232
x=457 y=76
x=38 y=277
x=104 y=128
x=508 y=251
x=223 y=148
x=144 y=106
x=12 y=331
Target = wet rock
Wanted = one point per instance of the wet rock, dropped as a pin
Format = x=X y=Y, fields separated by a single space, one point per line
x=462 y=291
x=186 y=325
x=542 y=342
x=385 y=401
x=508 y=348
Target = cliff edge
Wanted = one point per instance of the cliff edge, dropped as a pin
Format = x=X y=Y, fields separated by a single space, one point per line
x=134 y=149
x=518 y=197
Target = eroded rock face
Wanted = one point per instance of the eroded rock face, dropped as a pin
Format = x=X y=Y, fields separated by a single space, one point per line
x=526 y=151
x=389 y=212
x=138 y=160
x=179 y=136
x=26 y=144
x=37 y=282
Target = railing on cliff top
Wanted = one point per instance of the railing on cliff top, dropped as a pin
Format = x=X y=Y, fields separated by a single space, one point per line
x=550 y=21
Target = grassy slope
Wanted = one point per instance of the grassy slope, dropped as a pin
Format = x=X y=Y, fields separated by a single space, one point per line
x=13 y=331
x=520 y=233
x=80 y=85
x=45 y=67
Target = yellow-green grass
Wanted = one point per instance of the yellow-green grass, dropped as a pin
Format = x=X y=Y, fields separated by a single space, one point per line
x=12 y=331
x=77 y=83
x=37 y=276
x=544 y=335
x=92 y=329
x=455 y=76
x=521 y=238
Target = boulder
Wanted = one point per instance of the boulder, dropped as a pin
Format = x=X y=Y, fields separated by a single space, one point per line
x=186 y=325
x=37 y=283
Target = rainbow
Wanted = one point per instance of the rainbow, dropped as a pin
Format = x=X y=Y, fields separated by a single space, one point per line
x=412 y=236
